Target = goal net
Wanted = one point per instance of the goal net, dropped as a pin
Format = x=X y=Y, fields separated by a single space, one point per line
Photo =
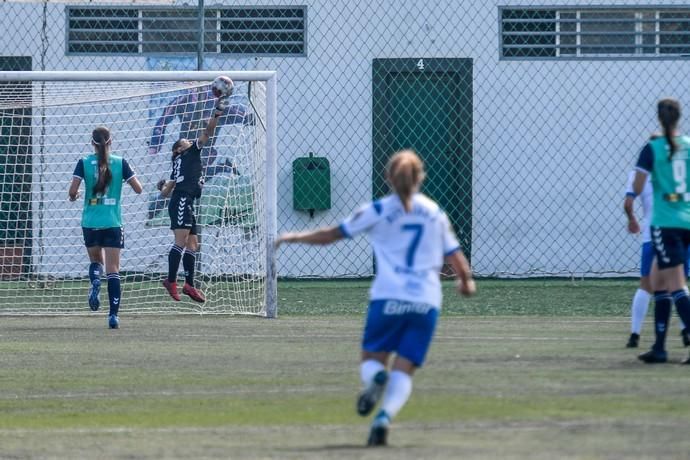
x=46 y=120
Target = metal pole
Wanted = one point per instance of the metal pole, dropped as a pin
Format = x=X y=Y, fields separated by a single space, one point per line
x=271 y=196
x=200 y=44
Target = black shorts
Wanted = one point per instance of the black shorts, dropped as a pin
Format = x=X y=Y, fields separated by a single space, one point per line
x=104 y=237
x=181 y=211
x=670 y=246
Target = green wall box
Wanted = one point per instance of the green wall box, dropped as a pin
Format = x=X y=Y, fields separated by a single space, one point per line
x=311 y=184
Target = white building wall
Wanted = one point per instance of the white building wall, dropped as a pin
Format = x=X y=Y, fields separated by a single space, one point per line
x=553 y=141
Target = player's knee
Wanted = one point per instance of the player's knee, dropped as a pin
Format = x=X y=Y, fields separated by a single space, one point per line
x=192 y=244
x=646 y=284
x=112 y=267
x=404 y=365
x=380 y=356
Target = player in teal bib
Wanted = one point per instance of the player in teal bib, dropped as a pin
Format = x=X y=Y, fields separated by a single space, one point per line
x=101 y=218
x=667 y=160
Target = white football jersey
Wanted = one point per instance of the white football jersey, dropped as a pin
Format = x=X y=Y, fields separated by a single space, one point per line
x=647 y=199
x=409 y=247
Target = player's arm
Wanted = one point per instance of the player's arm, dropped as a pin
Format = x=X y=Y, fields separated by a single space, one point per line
x=461 y=266
x=321 y=236
x=453 y=255
x=136 y=185
x=130 y=177
x=166 y=187
x=212 y=123
x=73 y=191
x=643 y=168
x=361 y=221
x=77 y=177
x=633 y=225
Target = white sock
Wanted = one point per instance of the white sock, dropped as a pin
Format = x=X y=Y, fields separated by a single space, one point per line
x=639 y=307
x=368 y=369
x=397 y=393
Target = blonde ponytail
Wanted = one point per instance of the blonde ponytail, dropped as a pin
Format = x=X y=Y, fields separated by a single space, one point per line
x=405 y=173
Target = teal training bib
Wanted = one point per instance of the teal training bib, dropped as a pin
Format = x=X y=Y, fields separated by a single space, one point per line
x=671 y=184
x=102 y=210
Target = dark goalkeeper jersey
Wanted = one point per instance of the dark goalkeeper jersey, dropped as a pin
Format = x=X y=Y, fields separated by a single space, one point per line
x=186 y=171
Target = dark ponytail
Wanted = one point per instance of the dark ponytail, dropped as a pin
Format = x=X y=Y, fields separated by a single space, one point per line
x=669 y=114
x=100 y=138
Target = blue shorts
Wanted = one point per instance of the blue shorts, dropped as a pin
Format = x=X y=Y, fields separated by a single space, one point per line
x=647 y=258
x=104 y=237
x=402 y=327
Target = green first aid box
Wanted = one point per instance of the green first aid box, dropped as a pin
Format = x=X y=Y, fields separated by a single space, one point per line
x=311 y=184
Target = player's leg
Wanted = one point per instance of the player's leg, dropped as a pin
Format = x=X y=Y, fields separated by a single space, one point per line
x=95 y=252
x=680 y=290
x=189 y=265
x=174 y=258
x=670 y=255
x=642 y=296
x=411 y=352
x=373 y=375
x=684 y=331
x=381 y=336
x=179 y=210
x=398 y=391
x=113 y=245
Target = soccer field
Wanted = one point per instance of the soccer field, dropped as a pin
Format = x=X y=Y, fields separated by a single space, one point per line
x=512 y=374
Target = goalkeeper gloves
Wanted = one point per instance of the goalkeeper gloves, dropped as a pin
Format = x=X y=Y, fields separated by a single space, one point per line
x=221 y=105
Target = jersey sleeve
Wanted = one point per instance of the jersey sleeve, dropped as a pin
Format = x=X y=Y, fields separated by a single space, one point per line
x=362 y=220
x=79 y=170
x=629 y=186
x=127 y=171
x=645 y=162
x=450 y=241
x=195 y=149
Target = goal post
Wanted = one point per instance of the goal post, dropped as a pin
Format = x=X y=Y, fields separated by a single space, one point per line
x=46 y=119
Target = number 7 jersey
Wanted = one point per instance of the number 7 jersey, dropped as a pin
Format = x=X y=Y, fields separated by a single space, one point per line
x=409 y=247
x=669 y=181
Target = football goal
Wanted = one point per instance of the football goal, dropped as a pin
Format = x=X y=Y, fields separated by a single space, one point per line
x=46 y=120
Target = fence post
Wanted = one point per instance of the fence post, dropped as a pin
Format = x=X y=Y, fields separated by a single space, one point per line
x=200 y=44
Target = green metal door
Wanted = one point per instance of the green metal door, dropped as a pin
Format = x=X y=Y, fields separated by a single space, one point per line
x=426 y=105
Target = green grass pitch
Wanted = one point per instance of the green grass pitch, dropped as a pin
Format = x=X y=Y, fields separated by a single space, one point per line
x=527 y=369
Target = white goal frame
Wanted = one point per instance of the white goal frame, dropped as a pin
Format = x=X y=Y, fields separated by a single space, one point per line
x=270 y=79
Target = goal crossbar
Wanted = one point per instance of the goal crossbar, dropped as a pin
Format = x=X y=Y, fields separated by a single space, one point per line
x=160 y=75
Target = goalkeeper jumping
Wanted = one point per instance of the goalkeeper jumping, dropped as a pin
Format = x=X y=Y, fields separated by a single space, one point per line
x=185 y=186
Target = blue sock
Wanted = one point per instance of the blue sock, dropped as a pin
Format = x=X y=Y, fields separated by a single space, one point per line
x=662 y=314
x=382 y=417
x=95 y=271
x=114 y=292
x=174 y=257
x=188 y=262
x=682 y=301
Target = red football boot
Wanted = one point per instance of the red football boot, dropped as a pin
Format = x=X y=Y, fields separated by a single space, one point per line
x=192 y=292
x=172 y=289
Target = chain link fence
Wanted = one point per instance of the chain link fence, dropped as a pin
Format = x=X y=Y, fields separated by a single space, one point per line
x=528 y=114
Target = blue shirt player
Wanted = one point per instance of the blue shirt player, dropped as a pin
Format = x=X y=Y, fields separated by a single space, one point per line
x=411 y=237
x=101 y=221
